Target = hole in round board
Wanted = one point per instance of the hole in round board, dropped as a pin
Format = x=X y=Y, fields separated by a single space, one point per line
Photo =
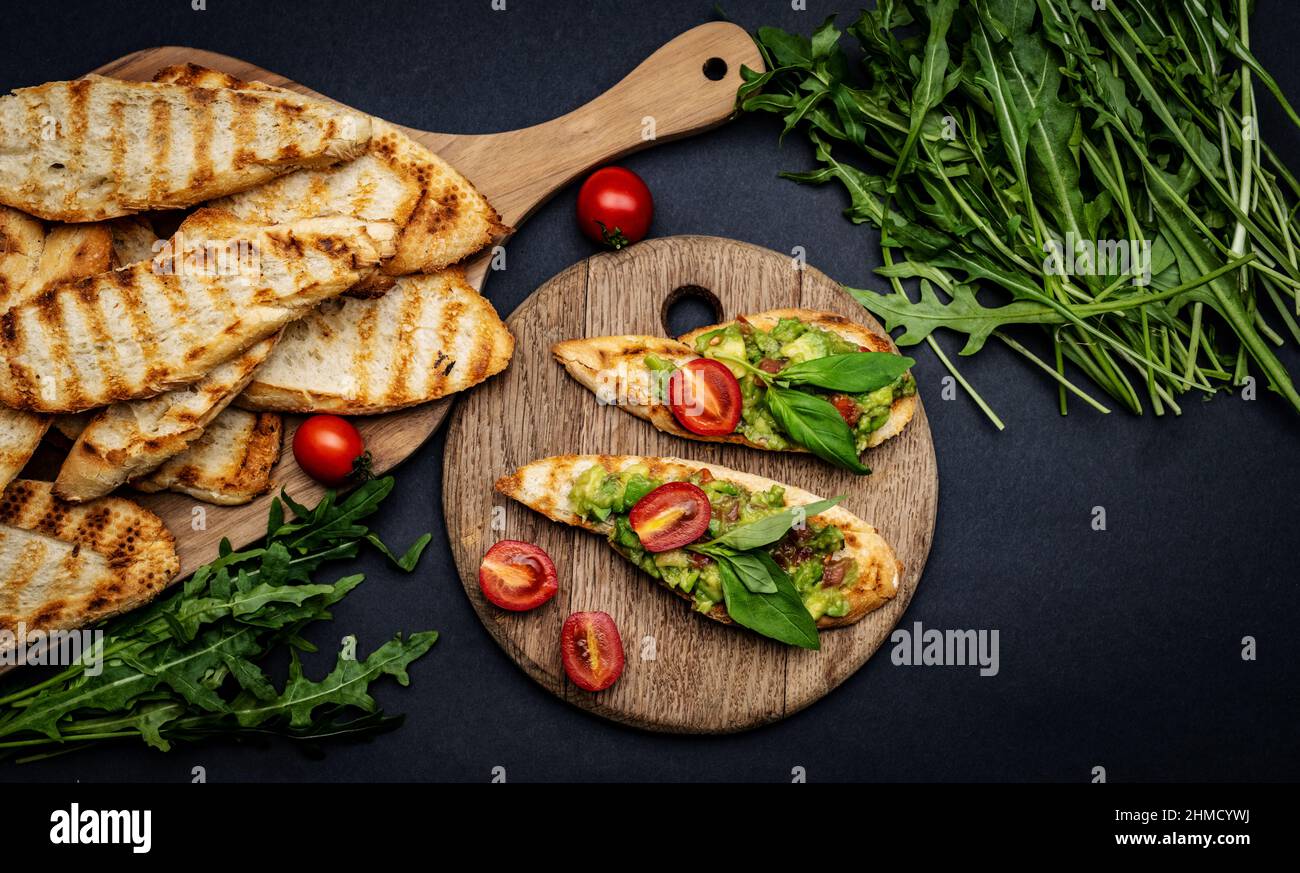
x=715 y=69
x=688 y=307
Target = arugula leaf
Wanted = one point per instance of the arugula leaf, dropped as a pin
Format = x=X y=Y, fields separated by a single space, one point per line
x=165 y=667
x=816 y=425
x=780 y=615
x=853 y=373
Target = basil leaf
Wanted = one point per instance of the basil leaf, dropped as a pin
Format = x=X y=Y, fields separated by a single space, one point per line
x=780 y=615
x=771 y=528
x=816 y=425
x=748 y=568
x=854 y=373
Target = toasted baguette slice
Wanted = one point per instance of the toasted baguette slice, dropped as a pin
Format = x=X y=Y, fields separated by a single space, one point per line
x=616 y=364
x=229 y=465
x=21 y=240
x=151 y=327
x=131 y=438
x=444 y=219
x=544 y=486
x=64 y=567
x=20 y=434
x=100 y=148
x=428 y=337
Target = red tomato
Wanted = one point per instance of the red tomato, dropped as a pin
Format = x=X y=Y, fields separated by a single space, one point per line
x=705 y=397
x=517 y=576
x=615 y=207
x=671 y=516
x=592 y=650
x=848 y=409
x=330 y=450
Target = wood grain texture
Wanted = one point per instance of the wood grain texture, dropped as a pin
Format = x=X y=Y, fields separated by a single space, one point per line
x=704 y=677
x=517 y=171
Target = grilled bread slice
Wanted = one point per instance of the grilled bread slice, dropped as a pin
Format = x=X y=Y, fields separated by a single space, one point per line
x=68 y=252
x=100 y=148
x=444 y=219
x=428 y=337
x=154 y=326
x=21 y=240
x=64 y=567
x=131 y=438
x=229 y=465
x=20 y=434
x=544 y=486
x=617 y=363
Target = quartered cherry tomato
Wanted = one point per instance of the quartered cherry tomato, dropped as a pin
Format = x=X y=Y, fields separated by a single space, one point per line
x=615 y=207
x=517 y=576
x=671 y=516
x=330 y=450
x=705 y=397
x=592 y=650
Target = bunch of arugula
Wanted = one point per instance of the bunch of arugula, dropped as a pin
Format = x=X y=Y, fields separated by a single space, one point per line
x=981 y=137
x=811 y=420
x=188 y=665
x=759 y=594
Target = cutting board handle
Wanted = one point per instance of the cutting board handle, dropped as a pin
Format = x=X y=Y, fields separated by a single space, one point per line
x=687 y=86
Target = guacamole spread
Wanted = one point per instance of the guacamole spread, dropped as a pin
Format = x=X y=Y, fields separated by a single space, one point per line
x=793 y=341
x=806 y=554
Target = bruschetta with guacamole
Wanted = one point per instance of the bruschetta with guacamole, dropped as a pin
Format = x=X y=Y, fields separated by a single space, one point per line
x=740 y=548
x=785 y=380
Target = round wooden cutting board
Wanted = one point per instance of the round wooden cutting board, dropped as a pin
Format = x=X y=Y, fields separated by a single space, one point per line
x=684 y=672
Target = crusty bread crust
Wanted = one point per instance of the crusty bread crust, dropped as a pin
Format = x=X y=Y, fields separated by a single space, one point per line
x=598 y=362
x=64 y=567
x=544 y=486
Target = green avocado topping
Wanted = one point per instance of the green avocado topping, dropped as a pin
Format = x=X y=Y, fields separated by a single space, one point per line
x=805 y=553
x=790 y=342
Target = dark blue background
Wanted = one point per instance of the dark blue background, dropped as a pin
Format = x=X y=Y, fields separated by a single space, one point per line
x=1118 y=648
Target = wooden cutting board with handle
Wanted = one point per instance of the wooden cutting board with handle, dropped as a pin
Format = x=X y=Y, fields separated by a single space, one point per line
x=684 y=673
x=687 y=86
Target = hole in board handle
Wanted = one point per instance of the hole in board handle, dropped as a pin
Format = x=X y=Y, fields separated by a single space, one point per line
x=715 y=69
x=687 y=307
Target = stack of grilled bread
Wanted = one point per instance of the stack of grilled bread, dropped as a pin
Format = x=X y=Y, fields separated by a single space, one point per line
x=315 y=268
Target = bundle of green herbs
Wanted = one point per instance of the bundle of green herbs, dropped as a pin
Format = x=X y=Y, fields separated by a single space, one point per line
x=1095 y=166
x=191 y=664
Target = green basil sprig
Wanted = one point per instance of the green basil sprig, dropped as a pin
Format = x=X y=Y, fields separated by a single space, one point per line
x=779 y=615
x=816 y=425
x=853 y=373
x=769 y=528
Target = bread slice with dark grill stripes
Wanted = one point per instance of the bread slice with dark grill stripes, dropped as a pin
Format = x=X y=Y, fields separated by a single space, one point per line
x=154 y=326
x=99 y=148
x=428 y=337
x=229 y=465
x=131 y=438
x=64 y=567
x=444 y=219
x=68 y=252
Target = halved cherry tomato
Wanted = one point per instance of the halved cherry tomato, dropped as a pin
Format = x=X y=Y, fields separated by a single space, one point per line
x=671 y=516
x=592 y=650
x=615 y=207
x=330 y=450
x=705 y=397
x=517 y=576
